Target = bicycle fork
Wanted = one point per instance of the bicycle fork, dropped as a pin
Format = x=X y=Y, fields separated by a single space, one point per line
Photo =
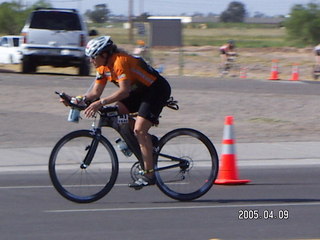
x=91 y=149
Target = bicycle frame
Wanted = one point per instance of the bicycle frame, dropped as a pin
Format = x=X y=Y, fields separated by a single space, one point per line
x=109 y=117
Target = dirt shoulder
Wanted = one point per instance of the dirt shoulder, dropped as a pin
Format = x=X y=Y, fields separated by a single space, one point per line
x=31 y=114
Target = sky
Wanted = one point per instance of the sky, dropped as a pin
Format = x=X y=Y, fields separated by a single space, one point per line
x=177 y=7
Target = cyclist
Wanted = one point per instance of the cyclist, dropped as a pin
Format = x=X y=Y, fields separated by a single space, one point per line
x=227 y=50
x=142 y=50
x=140 y=89
x=317 y=54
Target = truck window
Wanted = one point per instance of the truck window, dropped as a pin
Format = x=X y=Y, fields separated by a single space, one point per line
x=16 y=42
x=53 y=20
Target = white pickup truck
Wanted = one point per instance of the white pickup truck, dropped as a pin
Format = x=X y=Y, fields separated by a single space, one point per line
x=55 y=37
x=10 y=49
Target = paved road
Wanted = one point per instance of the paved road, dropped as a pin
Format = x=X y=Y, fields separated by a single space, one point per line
x=31 y=209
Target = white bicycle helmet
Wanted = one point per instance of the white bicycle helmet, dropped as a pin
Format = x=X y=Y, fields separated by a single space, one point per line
x=97 y=45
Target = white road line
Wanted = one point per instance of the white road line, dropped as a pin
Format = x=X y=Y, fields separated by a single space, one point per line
x=47 y=186
x=251 y=206
x=24 y=187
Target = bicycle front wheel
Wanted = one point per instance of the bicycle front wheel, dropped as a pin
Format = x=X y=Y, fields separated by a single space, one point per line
x=71 y=174
x=186 y=164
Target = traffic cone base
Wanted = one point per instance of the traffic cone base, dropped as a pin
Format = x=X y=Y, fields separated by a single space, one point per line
x=231 y=182
x=295 y=77
x=274 y=76
x=243 y=73
x=228 y=172
x=295 y=73
x=274 y=71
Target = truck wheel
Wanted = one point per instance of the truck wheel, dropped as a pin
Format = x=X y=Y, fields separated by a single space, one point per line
x=28 y=66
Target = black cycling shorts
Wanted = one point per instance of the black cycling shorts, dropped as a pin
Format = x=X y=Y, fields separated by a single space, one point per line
x=149 y=101
x=222 y=51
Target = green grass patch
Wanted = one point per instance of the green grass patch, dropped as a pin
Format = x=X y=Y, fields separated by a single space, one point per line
x=245 y=35
x=234 y=25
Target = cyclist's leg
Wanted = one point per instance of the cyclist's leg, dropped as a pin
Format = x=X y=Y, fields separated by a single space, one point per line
x=317 y=57
x=152 y=103
x=150 y=108
x=224 y=61
x=122 y=108
x=141 y=129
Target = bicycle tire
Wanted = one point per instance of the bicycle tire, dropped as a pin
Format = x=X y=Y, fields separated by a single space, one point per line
x=70 y=179
x=193 y=182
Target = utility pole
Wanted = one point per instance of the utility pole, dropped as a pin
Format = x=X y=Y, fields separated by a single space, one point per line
x=130 y=15
x=141 y=7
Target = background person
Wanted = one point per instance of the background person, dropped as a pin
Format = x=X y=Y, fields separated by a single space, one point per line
x=316 y=51
x=143 y=51
x=226 y=50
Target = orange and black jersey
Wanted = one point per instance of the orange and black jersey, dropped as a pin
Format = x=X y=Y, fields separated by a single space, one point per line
x=123 y=66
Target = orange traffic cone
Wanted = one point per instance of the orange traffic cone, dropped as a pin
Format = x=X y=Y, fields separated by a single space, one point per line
x=243 y=72
x=295 y=73
x=228 y=172
x=274 y=70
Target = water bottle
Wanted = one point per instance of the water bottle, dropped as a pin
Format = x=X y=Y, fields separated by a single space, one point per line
x=123 y=147
x=74 y=113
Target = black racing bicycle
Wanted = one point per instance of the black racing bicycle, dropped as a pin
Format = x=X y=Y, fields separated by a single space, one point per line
x=230 y=67
x=316 y=72
x=83 y=165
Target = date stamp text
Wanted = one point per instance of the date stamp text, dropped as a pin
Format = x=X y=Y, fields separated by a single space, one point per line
x=256 y=214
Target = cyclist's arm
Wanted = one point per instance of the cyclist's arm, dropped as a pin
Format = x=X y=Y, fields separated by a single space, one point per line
x=95 y=92
x=121 y=93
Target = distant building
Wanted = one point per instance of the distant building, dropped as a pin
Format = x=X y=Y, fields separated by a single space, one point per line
x=216 y=19
x=184 y=19
x=265 y=20
x=202 y=19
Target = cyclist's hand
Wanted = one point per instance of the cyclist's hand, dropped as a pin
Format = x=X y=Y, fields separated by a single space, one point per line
x=92 y=109
x=79 y=101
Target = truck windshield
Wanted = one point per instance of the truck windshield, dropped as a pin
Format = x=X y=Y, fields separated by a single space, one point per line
x=54 y=20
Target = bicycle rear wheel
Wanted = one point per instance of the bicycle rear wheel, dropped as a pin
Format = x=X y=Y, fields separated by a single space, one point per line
x=78 y=182
x=186 y=164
